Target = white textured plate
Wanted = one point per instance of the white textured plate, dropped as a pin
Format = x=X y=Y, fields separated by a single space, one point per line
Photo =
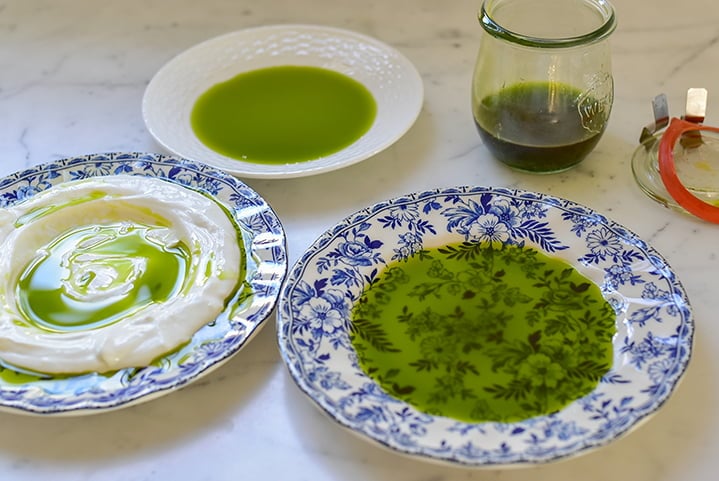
x=265 y=269
x=387 y=74
x=652 y=344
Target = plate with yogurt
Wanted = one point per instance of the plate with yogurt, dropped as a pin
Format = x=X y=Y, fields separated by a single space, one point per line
x=283 y=101
x=484 y=327
x=127 y=276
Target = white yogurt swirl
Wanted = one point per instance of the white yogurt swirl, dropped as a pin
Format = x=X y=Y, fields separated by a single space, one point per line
x=175 y=215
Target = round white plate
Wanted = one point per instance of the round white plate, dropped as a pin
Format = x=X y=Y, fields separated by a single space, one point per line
x=386 y=73
x=652 y=344
x=265 y=269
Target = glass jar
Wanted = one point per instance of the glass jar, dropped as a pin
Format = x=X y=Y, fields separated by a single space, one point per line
x=542 y=88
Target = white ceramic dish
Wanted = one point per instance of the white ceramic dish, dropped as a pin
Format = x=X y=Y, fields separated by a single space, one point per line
x=651 y=347
x=386 y=73
x=213 y=344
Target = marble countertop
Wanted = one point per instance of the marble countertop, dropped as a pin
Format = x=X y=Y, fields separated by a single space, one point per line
x=72 y=76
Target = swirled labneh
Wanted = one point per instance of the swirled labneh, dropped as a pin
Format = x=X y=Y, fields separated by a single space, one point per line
x=111 y=272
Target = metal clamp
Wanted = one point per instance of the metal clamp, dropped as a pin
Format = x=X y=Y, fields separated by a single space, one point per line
x=694 y=111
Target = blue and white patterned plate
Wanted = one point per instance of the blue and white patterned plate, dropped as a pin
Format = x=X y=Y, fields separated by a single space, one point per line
x=652 y=344
x=213 y=344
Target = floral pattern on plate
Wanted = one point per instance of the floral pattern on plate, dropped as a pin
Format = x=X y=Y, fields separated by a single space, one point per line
x=652 y=344
x=266 y=267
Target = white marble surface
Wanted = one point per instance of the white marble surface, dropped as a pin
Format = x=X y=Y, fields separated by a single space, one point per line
x=72 y=75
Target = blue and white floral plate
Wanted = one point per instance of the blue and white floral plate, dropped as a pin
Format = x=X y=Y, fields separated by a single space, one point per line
x=652 y=344
x=266 y=268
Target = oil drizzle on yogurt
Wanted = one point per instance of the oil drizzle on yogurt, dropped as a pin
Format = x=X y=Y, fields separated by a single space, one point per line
x=96 y=275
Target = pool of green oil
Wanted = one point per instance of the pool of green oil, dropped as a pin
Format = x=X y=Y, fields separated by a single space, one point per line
x=283 y=114
x=96 y=275
x=480 y=332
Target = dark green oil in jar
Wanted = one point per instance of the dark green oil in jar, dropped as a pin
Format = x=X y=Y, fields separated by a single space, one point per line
x=540 y=126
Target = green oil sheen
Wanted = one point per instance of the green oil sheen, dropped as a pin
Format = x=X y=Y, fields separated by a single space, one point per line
x=284 y=114
x=94 y=276
x=484 y=333
x=540 y=126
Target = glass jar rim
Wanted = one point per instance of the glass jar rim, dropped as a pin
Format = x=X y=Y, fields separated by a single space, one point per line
x=495 y=29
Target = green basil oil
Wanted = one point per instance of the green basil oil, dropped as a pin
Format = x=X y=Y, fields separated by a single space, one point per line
x=283 y=114
x=484 y=333
x=539 y=126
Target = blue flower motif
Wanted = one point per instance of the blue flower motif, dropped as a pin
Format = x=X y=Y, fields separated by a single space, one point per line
x=184 y=178
x=324 y=313
x=652 y=291
x=355 y=253
x=603 y=243
x=303 y=292
x=404 y=213
x=211 y=186
x=463 y=216
x=25 y=192
x=321 y=316
x=532 y=210
x=650 y=348
x=212 y=349
x=337 y=300
x=619 y=274
x=489 y=228
x=327 y=379
x=409 y=244
x=506 y=213
x=99 y=168
x=580 y=223
x=659 y=370
x=252 y=222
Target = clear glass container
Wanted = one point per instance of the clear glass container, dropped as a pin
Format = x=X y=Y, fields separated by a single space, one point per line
x=542 y=88
x=697 y=167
